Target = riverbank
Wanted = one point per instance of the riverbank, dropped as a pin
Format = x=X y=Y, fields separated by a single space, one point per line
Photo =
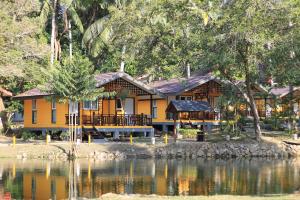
x=215 y=197
x=182 y=149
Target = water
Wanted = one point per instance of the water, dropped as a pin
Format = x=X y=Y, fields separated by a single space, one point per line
x=31 y=179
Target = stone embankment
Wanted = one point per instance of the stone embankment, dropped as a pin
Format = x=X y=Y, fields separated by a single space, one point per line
x=180 y=150
x=228 y=150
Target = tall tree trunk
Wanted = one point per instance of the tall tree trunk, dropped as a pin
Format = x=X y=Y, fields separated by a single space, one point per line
x=254 y=111
x=122 y=65
x=70 y=40
x=3 y=117
x=53 y=32
x=292 y=122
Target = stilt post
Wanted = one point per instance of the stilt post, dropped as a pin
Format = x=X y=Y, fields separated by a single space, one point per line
x=14 y=141
x=131 y=140
x=166 y=138
x=89 y=142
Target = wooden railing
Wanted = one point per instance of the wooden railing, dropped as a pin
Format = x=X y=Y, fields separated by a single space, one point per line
x=117 y=120
x=194 y=116
x=197 y=116
x=261 y=113
x=72 y=120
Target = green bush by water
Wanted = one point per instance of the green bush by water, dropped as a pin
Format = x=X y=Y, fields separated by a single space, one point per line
x=188 y=133
x=64 y=135
x=27 y=135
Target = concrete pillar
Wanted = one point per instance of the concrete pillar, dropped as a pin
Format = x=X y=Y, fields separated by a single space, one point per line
x=153 y=169
x=177 y=126
x=145 y=134
x=116 y=135
x=209 y=127
x=152 y=132
x=165 y=128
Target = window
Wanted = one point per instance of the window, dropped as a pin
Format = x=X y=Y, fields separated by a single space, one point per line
x=154 y=109
x=90 y=105
x=34 y=111
x=53 y=111
x=119 y=104
x=186 y=98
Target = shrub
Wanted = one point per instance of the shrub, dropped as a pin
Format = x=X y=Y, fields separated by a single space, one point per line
x=64 y=135
x=188 y=133
x=27 y=135
x=274 y=123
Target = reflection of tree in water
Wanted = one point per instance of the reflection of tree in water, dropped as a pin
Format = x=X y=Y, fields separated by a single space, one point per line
x=11 y=182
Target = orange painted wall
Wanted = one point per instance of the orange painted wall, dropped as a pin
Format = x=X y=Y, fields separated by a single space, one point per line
x=109 y=106
x=44 y=114
x=143 y=106
x=162 y=105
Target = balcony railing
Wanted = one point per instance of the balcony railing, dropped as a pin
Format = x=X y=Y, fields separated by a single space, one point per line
x=72 y=119
x=194 y=116
x=117 y=120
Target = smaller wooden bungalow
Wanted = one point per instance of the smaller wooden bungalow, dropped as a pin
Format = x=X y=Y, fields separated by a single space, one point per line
x=179 y=110
x=189 y=110
x=280 y=100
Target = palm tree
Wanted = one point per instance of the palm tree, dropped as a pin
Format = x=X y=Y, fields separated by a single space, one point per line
x=99 y=33
x=55 y=8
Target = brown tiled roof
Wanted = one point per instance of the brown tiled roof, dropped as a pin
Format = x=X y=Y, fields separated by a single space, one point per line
x=281 y=92
x=5 y=93
x=31 y=93
x=104 y=78
x=178 y=85
x=189 y=106
x=101 y=79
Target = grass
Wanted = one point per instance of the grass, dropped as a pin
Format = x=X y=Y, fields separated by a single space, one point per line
x=215 y=197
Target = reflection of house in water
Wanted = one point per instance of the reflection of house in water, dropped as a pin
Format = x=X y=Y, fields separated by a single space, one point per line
x=172 y=177
x=38 y=186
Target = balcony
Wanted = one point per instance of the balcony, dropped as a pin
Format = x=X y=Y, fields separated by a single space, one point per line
x=72 y=119
x=117 y=120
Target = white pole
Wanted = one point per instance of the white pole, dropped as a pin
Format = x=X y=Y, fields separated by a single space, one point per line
x=70 y=39
x=53 y=32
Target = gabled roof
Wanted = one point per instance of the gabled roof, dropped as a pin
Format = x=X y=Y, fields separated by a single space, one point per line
x=31 y=93
x=283 y=91
x=104 y=78
x=178 y=85
x=101 y=79
x=5 y=93
x=188 y=106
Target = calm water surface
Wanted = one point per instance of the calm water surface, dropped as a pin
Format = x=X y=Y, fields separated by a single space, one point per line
x=60 y=180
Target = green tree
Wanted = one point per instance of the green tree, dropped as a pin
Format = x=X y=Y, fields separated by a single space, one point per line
x=157 y=37
x=237 y=43
x=72 y=81
x=284 y=59
x=21 y=40
x=23 y=47
x=64 y=10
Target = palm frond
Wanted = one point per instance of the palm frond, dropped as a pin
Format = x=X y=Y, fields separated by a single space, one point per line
x=76 y=19
x=93 y=31
x=46 y=8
